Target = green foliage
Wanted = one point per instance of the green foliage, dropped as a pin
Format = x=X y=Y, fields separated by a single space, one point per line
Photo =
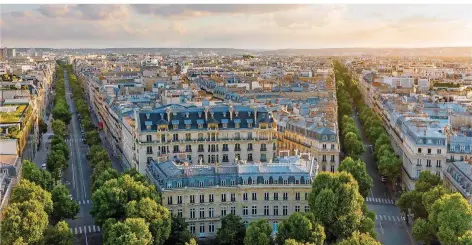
x=358 y=238
x=156 y=215
x=64 y=207
x=179 y=232
x=28 y=191
x=359 y=172
x=352 y=144
x=423 y=230
x=335 y=200
x=191 y=242
x=59 y=127
x=100 y=177
x=64 y=149
x=258 y=233
x=55 y=163
x=132 y=231
x=92 y=138
x=43 y=127
x=302 y=228
x=60 y=234
x=25 y=220
x=232 y=231
x=111 y=198
x=40 y=177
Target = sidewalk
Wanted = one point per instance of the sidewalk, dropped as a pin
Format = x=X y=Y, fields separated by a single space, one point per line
x=42 y=153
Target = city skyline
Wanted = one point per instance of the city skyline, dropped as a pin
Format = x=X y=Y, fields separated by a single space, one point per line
x=236 y=26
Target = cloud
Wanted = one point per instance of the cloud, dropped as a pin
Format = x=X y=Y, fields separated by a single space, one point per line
x=85 y=11
x=183 y=11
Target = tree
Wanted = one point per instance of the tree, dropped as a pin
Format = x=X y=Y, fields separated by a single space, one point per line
x=27 y=220
x=359 y=172
x=156 y=215
x=60 y=234
x=383 y=139
x=295 y=242
x=40 y=177
x=131 y=231
x=61 y=112
x=103 y=176
x=64 y=149
x=43 y=127
x=55 y=162
x=110 y=199
x=258 y=233
x=335 y=200
x=19 y=241
x=452 y=215
x=358 y=238
x=92 y=138
x=301 y=228
x=352 y=144
x=28 y=191
x=179 y=233
x=390 y=166
x=191 y=242
x=345 y=108
x=59 y=127
x=466 y=239
x=423 y=231
x=232 y=231
x=64 y=207
x=427 y=181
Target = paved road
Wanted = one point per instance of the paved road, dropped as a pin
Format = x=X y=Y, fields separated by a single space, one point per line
x=77 y=176
x=389 y=224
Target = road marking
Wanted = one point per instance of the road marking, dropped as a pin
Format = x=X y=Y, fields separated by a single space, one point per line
x=93 y=228
x=384 y=217
x=381 y=228
x=80 y=230
x=88 y=201
x=90 y=228
x=75 y=230
x=388 y=218
x=98 y=228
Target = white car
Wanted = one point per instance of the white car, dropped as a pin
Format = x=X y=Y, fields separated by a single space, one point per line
x=43 y=166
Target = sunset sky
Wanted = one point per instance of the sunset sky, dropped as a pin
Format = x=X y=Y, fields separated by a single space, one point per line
x=235 y=26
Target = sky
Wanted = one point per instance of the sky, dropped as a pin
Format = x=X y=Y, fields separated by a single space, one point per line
x=256 y=26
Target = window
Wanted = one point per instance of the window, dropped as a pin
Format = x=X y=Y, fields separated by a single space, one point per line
x=149 y=159
x=200 y=125
x=211 y=212
x=297 y=196
x=285 y=196
x=324 y=146
x=169 y=200
x=249 y=147
x=419 y=150
x=245 y=210
x=149 y=138
x=202 y=213
x=210 y=197
x=175 y=137
x=149 y=150
x=188 y=136
x=266 y=182
x=192 y=198
x=297 y=208
x=179 y=199
x=175 y=126
x=211 y=227
x=307 y=209
x=163 y=138
x=223 y=211
x=202 y=198
x=176 y=149
x=249 y=157
x=276 y=196
x=225 y=147
x=233 y=210
x=332 y=158
x=266 y=196
x=201 y=185
x=266 y=210
x=285 y=182
x=192 y=213
x=225 y=158
x=284 y=210
x=192 y=228
x=418 y=173
x=438 y=163
x=429 y=151
x=188 y=148
x=236 y=125
x=233 y=182
x=428 y=163
x=254 y=210
x=438 y=151
x=179 y=213
x=189 y=157
x=200 y=148
x=244 y=196
x=237 y=147
x=263 y=157
x=462 y=148
x=332 y=146
x=233 y=197
x=237 y=136
x=332 y=168
x=254 y=196
x=453 y=148
x=223 y=197
x=276 y=210
x=263 y=147
x=202 y=227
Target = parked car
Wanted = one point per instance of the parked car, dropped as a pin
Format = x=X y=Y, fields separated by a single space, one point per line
x=384 y=179
x=43 y=166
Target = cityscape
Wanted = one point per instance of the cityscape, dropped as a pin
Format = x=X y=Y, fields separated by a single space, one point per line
x=227 y=124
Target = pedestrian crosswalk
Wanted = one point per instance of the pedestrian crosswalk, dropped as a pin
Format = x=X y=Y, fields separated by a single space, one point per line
x=85 y=229
x=74 y=140
x=380 y=200
x=84 y=202
x=392 y=218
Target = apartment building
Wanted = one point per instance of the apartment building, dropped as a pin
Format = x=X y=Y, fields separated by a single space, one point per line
x=203 y=194
x=457 y=178
x=205 y=134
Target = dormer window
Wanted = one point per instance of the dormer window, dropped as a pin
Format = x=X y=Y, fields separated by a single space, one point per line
x=236 y=114
x=249 y=125
x=462 y=148
x=429 y=141
x=325 y=137
x=187 y=126
x=453 y=148
x=187 y=115
x=175 y=126
x=249 y=113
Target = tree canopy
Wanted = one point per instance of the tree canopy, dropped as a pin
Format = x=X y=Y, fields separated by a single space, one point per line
x=131 y=231
x=359 y=172
x=232 y=231
x=302 y=228
x=258 y=233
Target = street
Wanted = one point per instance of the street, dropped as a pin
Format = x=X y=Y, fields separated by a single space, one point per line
x=77 y=177
x=389 y=224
